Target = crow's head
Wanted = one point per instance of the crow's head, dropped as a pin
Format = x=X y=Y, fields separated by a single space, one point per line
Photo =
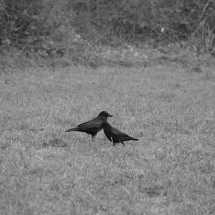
x=106 y=125
x=105 y=114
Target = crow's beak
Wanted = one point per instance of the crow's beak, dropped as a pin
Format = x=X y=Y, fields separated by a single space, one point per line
x=110 y=115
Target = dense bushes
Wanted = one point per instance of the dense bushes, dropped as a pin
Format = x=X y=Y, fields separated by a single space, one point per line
x=38 y=24
x=142 y=19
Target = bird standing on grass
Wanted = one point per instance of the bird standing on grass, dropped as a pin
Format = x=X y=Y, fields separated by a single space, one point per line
x=115 y=135
x=93 y=126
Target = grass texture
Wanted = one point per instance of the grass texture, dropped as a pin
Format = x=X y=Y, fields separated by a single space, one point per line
x=170 y=170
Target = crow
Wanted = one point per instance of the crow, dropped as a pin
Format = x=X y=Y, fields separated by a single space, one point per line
x=115 y=135
x=93 y=126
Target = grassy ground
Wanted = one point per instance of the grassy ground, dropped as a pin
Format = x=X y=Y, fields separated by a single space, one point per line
x=170 y=170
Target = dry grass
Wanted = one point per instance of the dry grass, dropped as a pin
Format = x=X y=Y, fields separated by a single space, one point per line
x=170 y=170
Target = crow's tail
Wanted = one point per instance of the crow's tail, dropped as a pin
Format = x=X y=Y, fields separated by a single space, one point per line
x=72 y=129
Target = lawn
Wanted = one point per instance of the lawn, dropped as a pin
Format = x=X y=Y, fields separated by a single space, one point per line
x=170 y=170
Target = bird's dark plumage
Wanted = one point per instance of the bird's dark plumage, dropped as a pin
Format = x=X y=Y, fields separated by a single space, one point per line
x=93 y=126
x=115 y=135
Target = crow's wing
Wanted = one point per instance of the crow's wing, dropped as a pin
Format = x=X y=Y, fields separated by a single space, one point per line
x=118 y=133
x=94 y=123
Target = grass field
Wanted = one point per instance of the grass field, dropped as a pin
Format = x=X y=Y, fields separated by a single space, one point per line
x=170 y=170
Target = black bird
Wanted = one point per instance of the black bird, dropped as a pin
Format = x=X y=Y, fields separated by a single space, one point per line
x=93 y=126
x=115 y=135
